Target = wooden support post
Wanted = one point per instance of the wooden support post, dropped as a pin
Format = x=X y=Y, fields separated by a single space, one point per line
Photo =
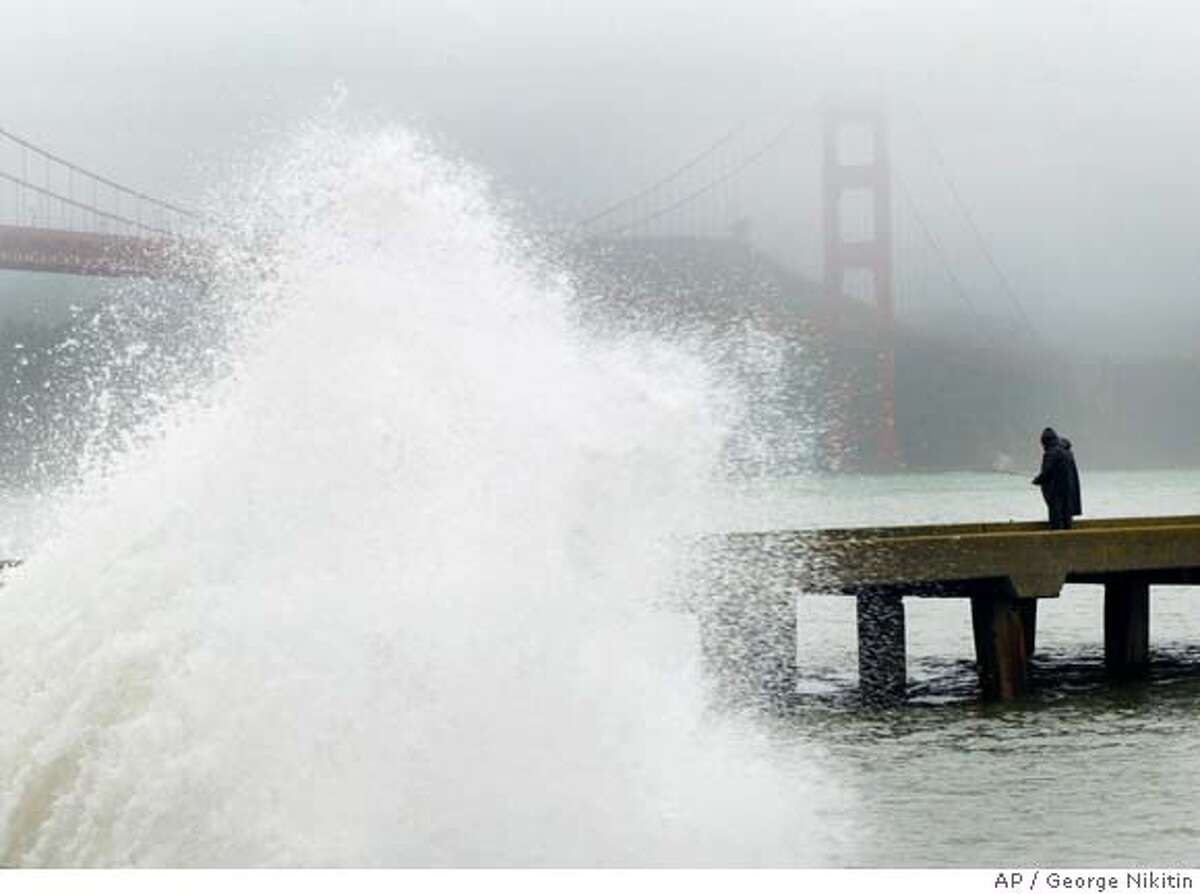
x=1126 y=626
x=1029 y=609
x=999 y=646
x=748 y=643
x=882 y=656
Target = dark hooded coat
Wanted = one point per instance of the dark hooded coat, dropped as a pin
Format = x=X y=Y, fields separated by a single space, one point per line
x=1059 y=480
x=1076 y=496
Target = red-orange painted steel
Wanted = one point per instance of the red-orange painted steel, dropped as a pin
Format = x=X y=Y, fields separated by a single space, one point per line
x=873 y=255
x=84 y=254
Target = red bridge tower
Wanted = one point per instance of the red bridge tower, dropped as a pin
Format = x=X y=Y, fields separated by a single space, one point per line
x=858 y=260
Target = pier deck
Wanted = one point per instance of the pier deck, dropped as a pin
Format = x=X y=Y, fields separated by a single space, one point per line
x=748 y=618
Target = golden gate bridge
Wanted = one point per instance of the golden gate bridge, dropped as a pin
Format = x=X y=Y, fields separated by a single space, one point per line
x=877 y=243
x=57 y=216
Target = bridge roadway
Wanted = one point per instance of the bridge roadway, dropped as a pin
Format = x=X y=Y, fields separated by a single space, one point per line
x=748 y=615
x=85 y=254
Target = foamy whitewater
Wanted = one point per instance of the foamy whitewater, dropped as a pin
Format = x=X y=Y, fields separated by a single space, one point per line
x=385 y=587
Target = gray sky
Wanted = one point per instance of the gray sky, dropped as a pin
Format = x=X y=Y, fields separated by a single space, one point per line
x=1068 y=126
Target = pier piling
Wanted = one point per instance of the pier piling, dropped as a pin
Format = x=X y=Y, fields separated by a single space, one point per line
x=748 y=644
x=1127 y=626
x=882 y=656
x=1029 y=611
x=1000 y=646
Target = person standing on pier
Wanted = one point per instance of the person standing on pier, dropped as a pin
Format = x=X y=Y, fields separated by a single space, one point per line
x=1059 y=480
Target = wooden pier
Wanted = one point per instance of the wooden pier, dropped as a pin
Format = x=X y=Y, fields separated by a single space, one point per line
x=748 y=616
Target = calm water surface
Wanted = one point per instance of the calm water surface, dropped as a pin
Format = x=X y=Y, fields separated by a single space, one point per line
x=1081 y=773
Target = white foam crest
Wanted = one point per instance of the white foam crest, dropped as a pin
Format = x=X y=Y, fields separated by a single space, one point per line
x=385 y=593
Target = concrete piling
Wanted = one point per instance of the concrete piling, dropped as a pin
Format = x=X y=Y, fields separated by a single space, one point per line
x=882 y=655
x=1029 y=612
x=1127 y=626
x=748 y=644
x=1000 y=646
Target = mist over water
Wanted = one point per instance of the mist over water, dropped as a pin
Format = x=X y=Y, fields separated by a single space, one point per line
x=380 y=581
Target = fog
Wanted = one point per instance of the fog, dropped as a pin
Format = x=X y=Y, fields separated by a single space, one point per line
x=1066 y=127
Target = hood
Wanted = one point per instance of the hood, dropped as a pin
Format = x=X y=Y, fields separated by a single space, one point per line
x=1049 y=437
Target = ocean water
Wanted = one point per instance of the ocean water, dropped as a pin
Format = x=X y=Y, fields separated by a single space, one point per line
x=375 y=568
